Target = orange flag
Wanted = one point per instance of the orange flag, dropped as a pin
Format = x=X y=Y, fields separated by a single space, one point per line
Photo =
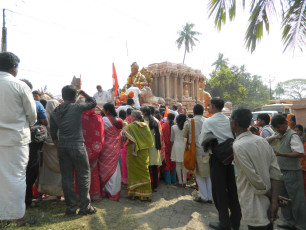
x=167 y=111
x=115 y=81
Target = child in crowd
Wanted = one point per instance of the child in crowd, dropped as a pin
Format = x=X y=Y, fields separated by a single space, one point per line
x=178 y=147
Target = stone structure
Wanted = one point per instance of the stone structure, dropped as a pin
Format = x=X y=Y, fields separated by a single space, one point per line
x=300 y=111
x=178 y=83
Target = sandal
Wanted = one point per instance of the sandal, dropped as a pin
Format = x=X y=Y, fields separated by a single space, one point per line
x=89 y=211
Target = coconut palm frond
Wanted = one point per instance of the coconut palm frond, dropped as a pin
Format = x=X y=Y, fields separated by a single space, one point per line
x=219 y=8
x=179 y=42
x=232 y=10
x=258 y=19
x=294 y=25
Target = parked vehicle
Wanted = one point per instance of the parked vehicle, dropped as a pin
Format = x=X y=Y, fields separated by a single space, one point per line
x=281 y=108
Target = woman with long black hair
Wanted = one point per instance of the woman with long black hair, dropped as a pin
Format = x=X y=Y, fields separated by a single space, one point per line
x=154 y=154
x=178 y=147
x=169 y=167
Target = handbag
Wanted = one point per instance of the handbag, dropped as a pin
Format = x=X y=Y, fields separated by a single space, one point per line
x=224 y=151
x=190 y=152
x=38 y=134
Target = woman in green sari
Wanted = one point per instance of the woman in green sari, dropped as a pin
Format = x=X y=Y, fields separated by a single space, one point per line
x=137 y=159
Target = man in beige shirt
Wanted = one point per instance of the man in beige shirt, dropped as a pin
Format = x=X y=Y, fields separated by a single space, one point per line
x=258 y=174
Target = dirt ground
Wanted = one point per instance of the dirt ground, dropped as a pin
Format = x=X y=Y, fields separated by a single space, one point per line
x=172 y=207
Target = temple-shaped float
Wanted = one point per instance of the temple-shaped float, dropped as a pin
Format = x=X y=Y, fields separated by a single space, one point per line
x=177 y=83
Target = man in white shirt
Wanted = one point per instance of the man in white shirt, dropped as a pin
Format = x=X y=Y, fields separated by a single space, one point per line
x=222 y=176
x=258 y=174
x=129 y=105
x=137 y=92
x=174 y=111
x=17 y=114
x=101 y=96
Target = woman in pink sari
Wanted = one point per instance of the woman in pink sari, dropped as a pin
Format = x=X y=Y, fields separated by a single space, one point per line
x=93 y=133
x=109 y=167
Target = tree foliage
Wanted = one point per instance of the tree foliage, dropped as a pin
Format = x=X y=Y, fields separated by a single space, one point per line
x=238 y=86
x=295 y=88
x=187 y=36
x=293 y=19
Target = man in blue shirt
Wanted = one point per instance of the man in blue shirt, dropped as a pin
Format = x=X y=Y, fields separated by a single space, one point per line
x=41 y=114
x=33 y=164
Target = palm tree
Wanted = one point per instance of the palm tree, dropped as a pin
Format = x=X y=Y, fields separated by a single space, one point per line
x=221 y=61
x=293 y=20
x=187 y=36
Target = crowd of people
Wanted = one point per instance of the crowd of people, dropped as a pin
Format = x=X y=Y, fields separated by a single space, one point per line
x=86 y=156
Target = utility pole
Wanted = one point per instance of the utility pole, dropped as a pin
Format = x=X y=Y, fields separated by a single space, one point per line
x=4 y=33
x=270 y=80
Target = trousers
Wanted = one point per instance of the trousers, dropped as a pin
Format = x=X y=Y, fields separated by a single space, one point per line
x=224 y=191
x=32 y=170
x=292 y=187
x=75 y=159
x=181 y=171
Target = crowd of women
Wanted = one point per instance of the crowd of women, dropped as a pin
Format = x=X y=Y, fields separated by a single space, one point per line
x=131 y=150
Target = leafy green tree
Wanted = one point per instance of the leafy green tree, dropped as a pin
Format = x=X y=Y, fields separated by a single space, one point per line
x=235 y=84
x=295 y=88
x=221 y=61
x=257 y=93
x=293 y=19
x=225 y=84
x=187 y=36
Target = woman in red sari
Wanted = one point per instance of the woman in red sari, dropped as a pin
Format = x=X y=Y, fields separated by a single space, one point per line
x=109 y=167
x=169 y=167
x=93 y=133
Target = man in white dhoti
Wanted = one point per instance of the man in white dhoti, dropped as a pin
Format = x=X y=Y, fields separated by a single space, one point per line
x=17 y=114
